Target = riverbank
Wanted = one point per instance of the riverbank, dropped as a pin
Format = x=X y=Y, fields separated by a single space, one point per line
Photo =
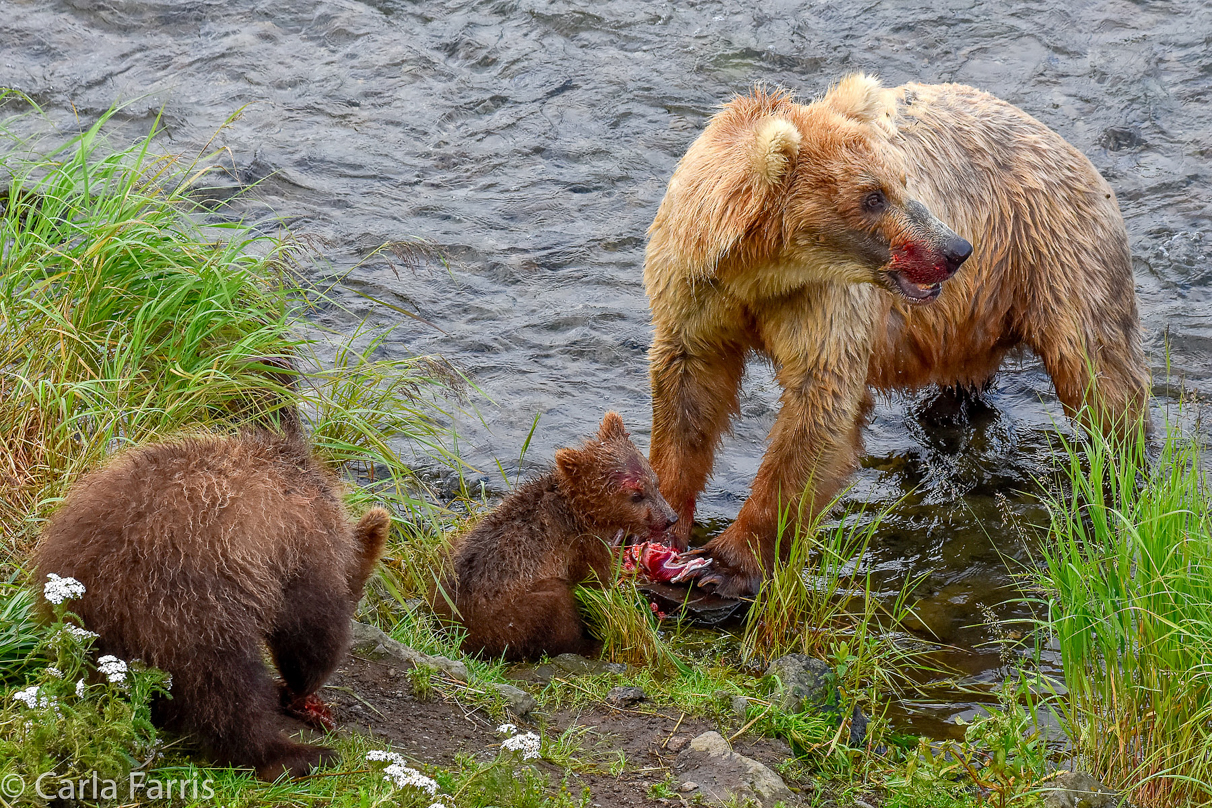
x=129 y=311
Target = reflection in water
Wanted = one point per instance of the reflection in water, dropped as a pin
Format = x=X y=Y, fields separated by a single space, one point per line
x=531 y=141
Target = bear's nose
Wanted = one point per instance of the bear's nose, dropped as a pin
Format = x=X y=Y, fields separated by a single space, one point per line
x=956 y=250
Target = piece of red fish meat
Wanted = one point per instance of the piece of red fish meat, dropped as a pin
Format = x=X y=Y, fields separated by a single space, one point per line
x=312 y=711
x=659 y=563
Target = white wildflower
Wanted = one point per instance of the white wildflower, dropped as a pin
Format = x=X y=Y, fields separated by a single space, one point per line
x=80 y=687
x=508 y=729
x=53 y=671
x=385 y=756
x=528 y=745
x=59 y=589
x=30 y=698
x=437 y=805
x=403 y=776
x=80 y=633
x=113 y=668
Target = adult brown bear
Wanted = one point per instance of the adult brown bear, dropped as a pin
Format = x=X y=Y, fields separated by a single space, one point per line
x=815 y=234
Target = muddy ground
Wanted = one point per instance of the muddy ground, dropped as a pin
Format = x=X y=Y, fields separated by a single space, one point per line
x=375 y=697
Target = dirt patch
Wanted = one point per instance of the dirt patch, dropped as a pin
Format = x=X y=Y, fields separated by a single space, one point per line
x=375 y=698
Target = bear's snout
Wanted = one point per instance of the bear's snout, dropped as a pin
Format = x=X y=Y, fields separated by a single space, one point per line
x=956 y=252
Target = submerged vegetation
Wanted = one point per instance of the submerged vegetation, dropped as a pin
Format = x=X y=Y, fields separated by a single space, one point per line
x=129 y=311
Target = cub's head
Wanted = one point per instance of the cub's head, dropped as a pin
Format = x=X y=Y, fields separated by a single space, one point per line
x=611 y=485
x=814 y=193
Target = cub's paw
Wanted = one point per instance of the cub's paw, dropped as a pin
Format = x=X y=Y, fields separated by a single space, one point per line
x=299 y=760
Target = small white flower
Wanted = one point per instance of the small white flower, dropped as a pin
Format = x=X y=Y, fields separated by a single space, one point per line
x=80 y=633
x=385 y=756
x=437 y=805
x=57 y=590
x=113 y=668
x=403 y=776
x=53 y=671
x=168 y=682
x=508 y=729
x=30 y=698
x=80 y=687
x=528 y=745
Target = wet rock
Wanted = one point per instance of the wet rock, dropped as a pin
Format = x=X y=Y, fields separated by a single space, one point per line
x=571 y=665
x=1076 y=790
x=806 y=684
x=708 y=767
x=803 y=683
x=372 y=643
x=625 y=696
x=520 y=702
x=677 y=743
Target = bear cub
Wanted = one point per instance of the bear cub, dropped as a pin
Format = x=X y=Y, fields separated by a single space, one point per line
x=198 y=553
x=513 y=573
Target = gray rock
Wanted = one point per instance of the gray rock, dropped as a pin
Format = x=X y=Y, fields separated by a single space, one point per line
x=572 y=665
x=803 y=683
x=625 y=696
x=1075 y=790
x=721 y=775
x=372 y=643
x=740 y=707
x=520 y=702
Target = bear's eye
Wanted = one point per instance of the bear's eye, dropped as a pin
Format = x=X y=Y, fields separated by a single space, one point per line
x=638 y=496
x=874 y=202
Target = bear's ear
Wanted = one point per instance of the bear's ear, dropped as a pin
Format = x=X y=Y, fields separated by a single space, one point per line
x=729 y=180
x=612 y=428
x=568 y=462
x=774 y=149
x=860 y=97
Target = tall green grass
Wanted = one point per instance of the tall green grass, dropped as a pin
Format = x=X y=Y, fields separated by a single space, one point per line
x=1128 y=575
x=124 y=317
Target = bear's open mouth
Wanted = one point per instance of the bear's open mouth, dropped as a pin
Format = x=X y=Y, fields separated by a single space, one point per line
x=914 y=292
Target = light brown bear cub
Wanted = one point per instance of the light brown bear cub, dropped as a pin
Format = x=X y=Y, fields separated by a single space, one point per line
x=874 y=239
x=514 y=572
x=197 y=553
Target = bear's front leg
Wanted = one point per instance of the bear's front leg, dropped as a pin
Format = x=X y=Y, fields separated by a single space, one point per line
x=815 y=442
x=695 y=387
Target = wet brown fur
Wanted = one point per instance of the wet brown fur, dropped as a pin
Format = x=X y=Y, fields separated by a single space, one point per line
x=514 y=572
x=196 y=554
x=762 y=244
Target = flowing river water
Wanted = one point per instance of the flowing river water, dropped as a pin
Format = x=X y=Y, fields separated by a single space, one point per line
x=531 y=140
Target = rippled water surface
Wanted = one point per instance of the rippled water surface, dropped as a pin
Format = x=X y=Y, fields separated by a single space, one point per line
x=532 y=141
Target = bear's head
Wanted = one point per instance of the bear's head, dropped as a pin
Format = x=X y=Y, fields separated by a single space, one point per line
x=611 y=485
x=811 y=193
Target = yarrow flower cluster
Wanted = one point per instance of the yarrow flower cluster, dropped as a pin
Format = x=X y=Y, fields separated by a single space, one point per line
x=527 y=745
x=80 y=688
x=30 y=698
x=400 y=775
x=508 y=729
x=59 y=589
x=80 y=633
x=113 y=668
x=51 y=670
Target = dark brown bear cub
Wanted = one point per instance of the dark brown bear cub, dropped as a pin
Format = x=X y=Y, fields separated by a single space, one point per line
x=514 y=572
x=196 y=554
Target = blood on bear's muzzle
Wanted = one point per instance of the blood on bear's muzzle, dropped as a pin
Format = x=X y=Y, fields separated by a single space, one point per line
x=929 y=254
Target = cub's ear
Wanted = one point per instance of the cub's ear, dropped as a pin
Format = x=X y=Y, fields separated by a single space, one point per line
x=568 y=462
x=731 y=177
x=861 y=97
x=612 y=428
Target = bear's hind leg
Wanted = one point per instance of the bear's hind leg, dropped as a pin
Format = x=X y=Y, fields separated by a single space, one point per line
x=226 y=697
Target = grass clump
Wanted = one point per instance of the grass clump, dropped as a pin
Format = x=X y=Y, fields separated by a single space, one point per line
x=123 y=319
x=1128 y=578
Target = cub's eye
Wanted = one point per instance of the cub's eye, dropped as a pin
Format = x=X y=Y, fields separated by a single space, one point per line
x=638 y=496
x=874 y=202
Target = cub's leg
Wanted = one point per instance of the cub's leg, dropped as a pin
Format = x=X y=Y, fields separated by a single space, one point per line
x=226 y=697
x=311 y=632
